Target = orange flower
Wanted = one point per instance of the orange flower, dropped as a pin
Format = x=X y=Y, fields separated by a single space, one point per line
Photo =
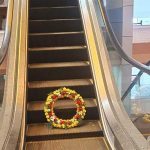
x=54 y=96
x=79 y=102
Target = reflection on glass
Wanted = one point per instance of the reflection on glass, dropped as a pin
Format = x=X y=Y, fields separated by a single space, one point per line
x=137 y=98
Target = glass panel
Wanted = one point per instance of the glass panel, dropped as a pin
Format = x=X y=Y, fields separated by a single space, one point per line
x=139 y=97
x=135 y=97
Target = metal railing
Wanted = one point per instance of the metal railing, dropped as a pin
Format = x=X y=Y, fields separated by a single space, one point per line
x=133 y=83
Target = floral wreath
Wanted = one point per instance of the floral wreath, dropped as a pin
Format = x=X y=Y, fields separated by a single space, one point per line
x=60 y=94
x=146 y=118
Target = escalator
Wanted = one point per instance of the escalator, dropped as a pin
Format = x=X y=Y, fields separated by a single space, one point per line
x=58 y=57
x=60 y=43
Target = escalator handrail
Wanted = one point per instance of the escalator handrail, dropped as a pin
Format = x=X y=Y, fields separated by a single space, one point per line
x=133 y=82
x=115 y=121
x=116 y=43
x=6 y=39
x=14 y=93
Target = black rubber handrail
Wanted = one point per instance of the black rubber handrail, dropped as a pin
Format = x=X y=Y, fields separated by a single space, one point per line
x=134 y=82
x=116 y=43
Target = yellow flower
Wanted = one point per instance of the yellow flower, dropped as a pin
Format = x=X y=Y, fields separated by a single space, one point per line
x=46 y=114
x=49 y=100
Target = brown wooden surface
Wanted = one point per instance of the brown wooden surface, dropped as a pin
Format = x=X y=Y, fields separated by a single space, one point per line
x=96 y=143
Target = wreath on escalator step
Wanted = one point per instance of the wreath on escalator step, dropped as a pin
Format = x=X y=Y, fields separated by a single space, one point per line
x=63 y=93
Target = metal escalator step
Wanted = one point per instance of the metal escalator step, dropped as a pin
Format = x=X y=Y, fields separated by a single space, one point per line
x=36 y=132
x=38 y=90
x=63 y=109
x=53 y=3
x=55 y=33
x=59 y=58
x=60 y=104
x=93 y=143
x=57 y=65
x=60 y=83
x=47 y=13
x=56 y=25
x=57 y=48
x=54 y=54
x=59 y=71
x=56 y=39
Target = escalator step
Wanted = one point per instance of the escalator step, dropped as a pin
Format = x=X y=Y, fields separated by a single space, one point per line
x=53 y=3
x=95 y=143
x=60 y=83
x=48 y=13
x=38 y=90
x=58 y=25
x=56 y=39
x=39 y=132
x=59 y=71
x=63 y=109
x=54 y=54
x=58 y=57
x=60 y=104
